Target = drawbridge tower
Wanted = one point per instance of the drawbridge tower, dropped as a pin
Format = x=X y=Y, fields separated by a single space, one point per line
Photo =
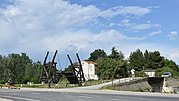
x=76 y=75
x=50 y=73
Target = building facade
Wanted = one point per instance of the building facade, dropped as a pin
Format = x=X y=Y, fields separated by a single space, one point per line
x=150 y=73
x=89 y=70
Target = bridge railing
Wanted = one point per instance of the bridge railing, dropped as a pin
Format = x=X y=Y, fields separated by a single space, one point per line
x=124 y=80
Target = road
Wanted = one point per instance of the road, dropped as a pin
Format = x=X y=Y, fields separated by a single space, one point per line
x=87 y=93
x=82 y=95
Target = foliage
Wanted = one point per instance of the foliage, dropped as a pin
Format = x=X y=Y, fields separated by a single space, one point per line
x=116 y=55
x=153 y=60
x=162 y=70
x=168 y=66
x=140 y=74
x=2 y=82
x=111 y=66
x=171 y=64
x=148 y=60
x=106 y=67
x=19 y=68
x=136 y=60
x=97 y=54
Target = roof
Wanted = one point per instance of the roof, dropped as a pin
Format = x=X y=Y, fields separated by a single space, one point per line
x=149 y=70
x=90 y=62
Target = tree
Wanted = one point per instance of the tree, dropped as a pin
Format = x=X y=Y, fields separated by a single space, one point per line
x=154 y=60
x=169 y=66
x=97 y=54
x=37 y=69
x=28 y=73
x=116 y=55
x=19 y=67
x=2 y=74
x=136 y=60
x=146 y=59
x=109 y=68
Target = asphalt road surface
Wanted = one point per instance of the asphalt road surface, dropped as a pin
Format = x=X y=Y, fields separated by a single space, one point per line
x=80 y=95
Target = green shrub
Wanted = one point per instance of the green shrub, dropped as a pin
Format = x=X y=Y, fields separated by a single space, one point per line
x=140 y=74
x=166 y=69
x=2 y=82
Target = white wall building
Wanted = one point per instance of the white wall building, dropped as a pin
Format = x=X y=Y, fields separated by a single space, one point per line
x=89 y=69
x=150 y=73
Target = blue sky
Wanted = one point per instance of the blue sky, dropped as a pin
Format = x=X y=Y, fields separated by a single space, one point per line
x=81 y=26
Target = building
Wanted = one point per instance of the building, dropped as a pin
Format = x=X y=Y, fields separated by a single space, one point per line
x=89 y=70
x=150 y=73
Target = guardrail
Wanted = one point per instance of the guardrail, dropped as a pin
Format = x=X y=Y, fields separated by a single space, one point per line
x=125 y=80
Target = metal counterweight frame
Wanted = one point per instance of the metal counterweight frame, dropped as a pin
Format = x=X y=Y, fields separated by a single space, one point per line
x=50 y=74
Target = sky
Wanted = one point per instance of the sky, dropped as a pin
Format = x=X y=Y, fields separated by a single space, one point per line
x=81 y=26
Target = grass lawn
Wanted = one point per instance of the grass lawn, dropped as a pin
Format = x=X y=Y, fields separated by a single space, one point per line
x=63 y=83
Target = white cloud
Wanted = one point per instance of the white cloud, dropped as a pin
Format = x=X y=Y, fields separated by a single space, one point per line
x=175 y=54
x=81 y=41
x=171 y=53
x=137 y=38
x=52 y=13
x=135 y=26
x=126 y=22
x=8 y=35
x=173 y=35
x=35 y=26
x=145 y=37
x=125 y=10
x=113 y=24
x=110 y=35
x=144 y=26
x=29 y=23
x=155 y=33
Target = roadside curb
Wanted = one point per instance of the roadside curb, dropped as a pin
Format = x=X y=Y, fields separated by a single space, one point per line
x=2 y=99
x=149 y=94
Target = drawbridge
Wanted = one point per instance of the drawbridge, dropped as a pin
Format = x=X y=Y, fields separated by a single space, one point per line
x=50 y=73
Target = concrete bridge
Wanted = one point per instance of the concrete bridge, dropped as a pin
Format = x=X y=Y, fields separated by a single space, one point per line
x=152 y=84
x=149 y=84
